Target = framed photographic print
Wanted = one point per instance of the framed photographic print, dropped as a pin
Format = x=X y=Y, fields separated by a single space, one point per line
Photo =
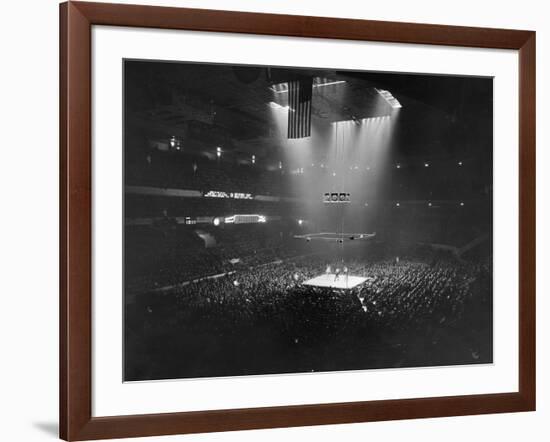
x=272 y=221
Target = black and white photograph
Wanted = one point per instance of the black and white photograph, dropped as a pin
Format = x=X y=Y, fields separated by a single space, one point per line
x=286 y=220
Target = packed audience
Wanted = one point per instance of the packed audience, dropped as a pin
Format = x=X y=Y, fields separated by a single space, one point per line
x=421 y=309
x=169 y=255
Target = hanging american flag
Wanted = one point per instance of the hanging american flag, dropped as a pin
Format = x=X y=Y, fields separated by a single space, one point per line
x=299 y=112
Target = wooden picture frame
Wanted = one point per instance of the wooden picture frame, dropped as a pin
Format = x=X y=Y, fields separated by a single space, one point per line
x=76 y=421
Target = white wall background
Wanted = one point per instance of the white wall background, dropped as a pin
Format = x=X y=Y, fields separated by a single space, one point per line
x=29 y=217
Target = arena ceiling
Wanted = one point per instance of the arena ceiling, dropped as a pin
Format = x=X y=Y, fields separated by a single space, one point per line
x=205 y=106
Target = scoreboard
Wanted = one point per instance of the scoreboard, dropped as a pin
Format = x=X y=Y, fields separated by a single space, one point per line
x=336 y=197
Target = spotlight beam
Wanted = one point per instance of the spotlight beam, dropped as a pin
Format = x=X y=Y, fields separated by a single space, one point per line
x=390 y=99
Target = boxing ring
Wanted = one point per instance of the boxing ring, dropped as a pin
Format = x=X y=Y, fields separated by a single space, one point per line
x=330 y=280
x=340 y=280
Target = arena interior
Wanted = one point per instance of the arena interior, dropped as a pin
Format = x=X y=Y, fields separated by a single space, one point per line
x=283 y=220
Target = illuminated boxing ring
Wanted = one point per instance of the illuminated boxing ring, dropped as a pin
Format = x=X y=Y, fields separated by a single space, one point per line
x=342 y=280
x=333 y=281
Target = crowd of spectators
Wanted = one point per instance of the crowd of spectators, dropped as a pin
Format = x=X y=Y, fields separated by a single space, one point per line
x=163 y=257
x=422 y=309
